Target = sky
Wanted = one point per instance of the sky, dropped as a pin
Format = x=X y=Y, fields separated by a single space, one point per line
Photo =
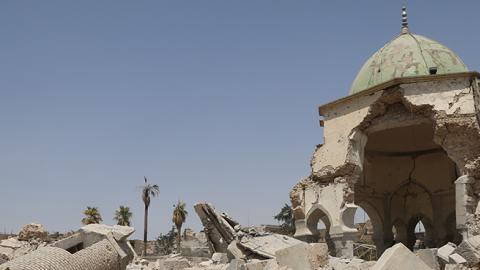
x=212 y=100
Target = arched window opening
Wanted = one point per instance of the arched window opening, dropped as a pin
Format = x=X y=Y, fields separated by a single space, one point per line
x=364 y=227
x=419 y=236
x=419 y=233
x=319 y=224
x=365 y=247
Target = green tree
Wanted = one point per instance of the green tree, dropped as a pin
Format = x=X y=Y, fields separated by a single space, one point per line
x=166 y=242
x=178 y=218
x=285 y=216
x=148 y=190
x=123 y=216
x=92 y=216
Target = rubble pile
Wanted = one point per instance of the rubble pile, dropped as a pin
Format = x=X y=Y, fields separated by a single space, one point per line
x=231 y=246
x=31 y=237
x=234 y=247
x=93 y=247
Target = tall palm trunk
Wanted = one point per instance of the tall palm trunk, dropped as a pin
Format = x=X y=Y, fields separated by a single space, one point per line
x=145 y=226
x=179 y=237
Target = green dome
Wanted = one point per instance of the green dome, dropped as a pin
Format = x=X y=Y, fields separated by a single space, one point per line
x=407 y=55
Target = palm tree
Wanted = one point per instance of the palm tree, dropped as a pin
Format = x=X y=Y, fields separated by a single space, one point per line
x=147 y=191
x=92 y=216
x=286 y=217
x=179 y=216
x=123 y=216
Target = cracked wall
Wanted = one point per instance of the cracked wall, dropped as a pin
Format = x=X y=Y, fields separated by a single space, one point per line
x=448 y=105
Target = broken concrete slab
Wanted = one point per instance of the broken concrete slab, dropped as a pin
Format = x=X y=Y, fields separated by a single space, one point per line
x=303 y=256
x=349 y=264
x=120 y=233
x=445 y=251
x=176 y=263
x=234 y=251
x=268 y=245
x=219 y=258
x=254 y=265
x=218 y=230
x=235 y=264
x=470 y=250
x=399 y=257
x=12 y=243
x=456 y=267
x=457 y=259
x=429 y=257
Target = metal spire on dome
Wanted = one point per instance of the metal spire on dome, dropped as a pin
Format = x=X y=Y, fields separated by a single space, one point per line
x=404 y=20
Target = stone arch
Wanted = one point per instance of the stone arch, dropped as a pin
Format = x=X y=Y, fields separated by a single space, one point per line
x=428 y=235
x=377 y=224
x=316 y=214
x=407 y=199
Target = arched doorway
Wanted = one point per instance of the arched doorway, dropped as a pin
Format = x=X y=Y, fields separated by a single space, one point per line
x=406 y=176
x=420 y=233
x=318 y=222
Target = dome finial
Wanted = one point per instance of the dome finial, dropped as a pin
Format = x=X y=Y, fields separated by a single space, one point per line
x=404 y=20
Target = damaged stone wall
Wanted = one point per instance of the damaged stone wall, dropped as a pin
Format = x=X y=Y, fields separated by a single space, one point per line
x=449 y=103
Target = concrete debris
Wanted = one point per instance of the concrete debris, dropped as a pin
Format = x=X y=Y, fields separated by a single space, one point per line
x=119 y=233
x=470 y=250
x=268 y=245
x=33 y=231
x=429 y=257
x=176 y=263
x=234 y=251
x=218 y=230
x=456 y=267
x=445 y=251
x=99 y=247
x=303 y=256
x=349 y=264
x=219 y=258
x=399 y=257
x=12 y=248
x=457 y=259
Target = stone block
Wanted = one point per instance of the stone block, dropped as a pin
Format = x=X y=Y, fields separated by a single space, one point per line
x=470 y=250
x=219 y=258
x=350 y=264
x=234 y=251
x=271 y=265
x=235 y=264
x=455 y=267
x=457 y=259
x=254 y=265
x=176 y=263
x=267 y=245
x=303 y=256
x=399 y=257
x=120 y=233
x=445 y=251
x=429 y=257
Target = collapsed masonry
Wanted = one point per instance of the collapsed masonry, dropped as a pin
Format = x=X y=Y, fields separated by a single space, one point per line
x=94 y=247
x=225 y=235
x=404 y=145
x=235 y=247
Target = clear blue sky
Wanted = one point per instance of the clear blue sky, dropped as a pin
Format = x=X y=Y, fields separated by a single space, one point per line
x=211 y=100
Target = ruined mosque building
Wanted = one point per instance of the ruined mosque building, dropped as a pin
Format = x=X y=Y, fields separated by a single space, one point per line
x=404 y=145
